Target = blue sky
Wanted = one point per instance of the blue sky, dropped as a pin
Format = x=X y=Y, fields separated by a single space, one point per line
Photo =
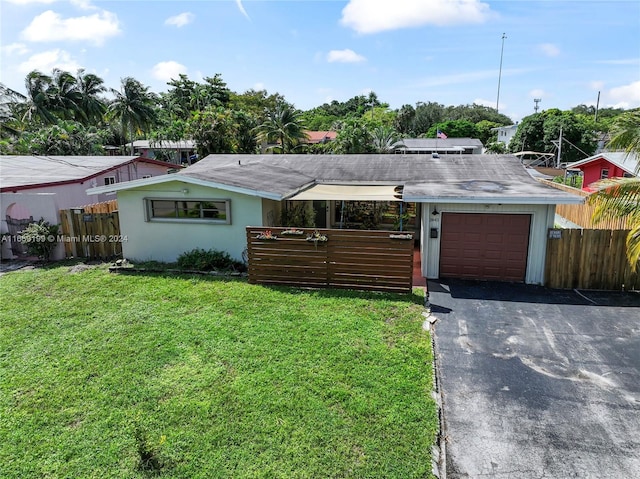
x=312 y=52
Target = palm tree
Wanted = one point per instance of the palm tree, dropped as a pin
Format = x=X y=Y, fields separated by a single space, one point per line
x=11 y=103
x=91 y=105
x=383 y=139
x=64 y=95
x=38 y=104
x=283 y=124
x=620 y=197
x=133 y=107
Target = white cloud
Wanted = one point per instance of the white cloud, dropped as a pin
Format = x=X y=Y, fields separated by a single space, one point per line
x=47 y=61
x=549 y=49
x=50 y=26
x=167 y=71
x=15 y=48
x=627 y=95
x=259 y=86
x=624 y=61
x=344 y=56
x=180 y=20
x=242 y=10
x=537 y=93
x=372 y=16
x=596 y=85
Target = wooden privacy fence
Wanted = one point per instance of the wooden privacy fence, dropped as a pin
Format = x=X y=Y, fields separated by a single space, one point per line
x=90 y=235
x=589 y=259
x=582 y=214
x=350 y=259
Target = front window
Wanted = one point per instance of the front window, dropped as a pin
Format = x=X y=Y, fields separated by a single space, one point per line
x=604 y=173
x=209 y=210
x=110 y=180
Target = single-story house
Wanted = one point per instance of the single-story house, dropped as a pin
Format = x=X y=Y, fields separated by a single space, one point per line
x=39 y=186
x=445 y=146
x=478 y=216
x=608 y=164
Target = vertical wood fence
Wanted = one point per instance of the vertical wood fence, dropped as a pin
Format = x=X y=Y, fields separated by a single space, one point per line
x=349 y=259
x=589 y=259
x=582 y=214
x=91 y=235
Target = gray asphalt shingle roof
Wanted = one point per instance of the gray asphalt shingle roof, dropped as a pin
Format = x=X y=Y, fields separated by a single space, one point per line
x=16 y=171
x=448 y=178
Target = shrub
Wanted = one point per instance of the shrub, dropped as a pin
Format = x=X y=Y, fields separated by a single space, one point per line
x=208 y=260
x=40 y=238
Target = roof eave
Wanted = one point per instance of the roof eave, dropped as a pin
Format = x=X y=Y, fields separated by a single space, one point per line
x=128 y=185
x=495 y=200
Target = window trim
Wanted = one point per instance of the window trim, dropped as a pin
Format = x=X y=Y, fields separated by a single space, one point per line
x=111 y=180
x=149 y=218
x=604 y=173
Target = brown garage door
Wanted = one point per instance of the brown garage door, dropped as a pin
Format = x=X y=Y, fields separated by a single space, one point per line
x=484 y=246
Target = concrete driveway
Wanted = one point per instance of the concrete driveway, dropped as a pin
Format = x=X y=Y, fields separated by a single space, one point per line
x=538 y=383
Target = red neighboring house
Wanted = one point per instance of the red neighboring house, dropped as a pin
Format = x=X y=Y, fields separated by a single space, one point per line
x=615 y=164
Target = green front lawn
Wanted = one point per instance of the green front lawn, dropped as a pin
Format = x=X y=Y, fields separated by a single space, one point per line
x=121 y=376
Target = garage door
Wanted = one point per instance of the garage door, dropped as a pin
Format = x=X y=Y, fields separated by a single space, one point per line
x=484 y=246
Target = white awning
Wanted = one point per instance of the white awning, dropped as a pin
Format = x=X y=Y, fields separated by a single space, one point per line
x=349 y=193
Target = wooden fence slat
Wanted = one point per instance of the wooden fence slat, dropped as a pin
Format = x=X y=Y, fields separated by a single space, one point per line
x=356 y=259
x=590 y=259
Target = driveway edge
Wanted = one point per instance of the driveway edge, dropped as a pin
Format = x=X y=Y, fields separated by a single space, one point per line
x=439 y=451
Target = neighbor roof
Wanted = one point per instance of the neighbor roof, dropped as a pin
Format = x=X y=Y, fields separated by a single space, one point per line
x=623 y=160
x=22 y=172
x=415 y=144
x=462 y=179
x=165 y=144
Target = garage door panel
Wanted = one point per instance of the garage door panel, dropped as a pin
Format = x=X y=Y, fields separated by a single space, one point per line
x=484 y=246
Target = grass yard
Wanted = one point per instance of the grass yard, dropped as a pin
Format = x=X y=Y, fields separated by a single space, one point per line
x=122 y=376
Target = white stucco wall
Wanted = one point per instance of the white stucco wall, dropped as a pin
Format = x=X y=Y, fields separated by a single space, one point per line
x=165 y=241
x=542 y=217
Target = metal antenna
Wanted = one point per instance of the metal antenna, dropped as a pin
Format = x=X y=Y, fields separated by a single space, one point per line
x=504 y=35
x=536 y=101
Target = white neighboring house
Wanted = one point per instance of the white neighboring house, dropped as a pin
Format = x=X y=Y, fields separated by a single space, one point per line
x=40 y=186
x=478 y=216
x=181 y=152
x=444 y=146
x=505 y=133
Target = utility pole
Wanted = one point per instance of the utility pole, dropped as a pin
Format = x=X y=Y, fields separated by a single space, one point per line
x=559 y=148
x=536 y=101
x=595 y=119
x=504 y=35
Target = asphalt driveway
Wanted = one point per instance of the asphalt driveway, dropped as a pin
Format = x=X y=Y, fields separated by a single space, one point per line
x=538 y=383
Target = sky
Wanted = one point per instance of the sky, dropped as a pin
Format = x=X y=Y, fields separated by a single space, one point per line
x=454 y=52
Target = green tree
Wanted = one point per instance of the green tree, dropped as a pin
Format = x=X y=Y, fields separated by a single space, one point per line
x=67 y=137
x=214 y=131
x=427 y=115
x=37 y=107
x=133 y=107
x=454 y=129
x=64 y=96
x=353 y=137
x=404 y=120
x=541 y=131
x=383 y=139
x=620 y=197
x=11 y=103
x=282 y=125
x=92 y=106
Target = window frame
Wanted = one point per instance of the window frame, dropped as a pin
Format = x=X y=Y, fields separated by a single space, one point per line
x=604 y=173
x=109 y=180
x=148 y=211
